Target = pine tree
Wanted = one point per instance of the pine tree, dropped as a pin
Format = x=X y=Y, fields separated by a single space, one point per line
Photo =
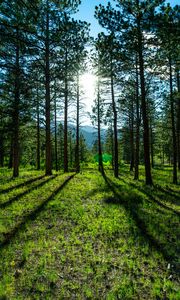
x=129 y=24
x=16 y=32
x=168 y=31
x=107 y=48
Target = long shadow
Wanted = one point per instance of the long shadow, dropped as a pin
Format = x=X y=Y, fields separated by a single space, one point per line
x=95 y=191
x=32 y=215
x=27 y=182
x=152 y=198
x=20 y=195
x=168 y=191
x=8 y=179
x=132 y=207
x=155 y=200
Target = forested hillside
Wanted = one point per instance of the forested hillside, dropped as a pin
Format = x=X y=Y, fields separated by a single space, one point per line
x=89 y=150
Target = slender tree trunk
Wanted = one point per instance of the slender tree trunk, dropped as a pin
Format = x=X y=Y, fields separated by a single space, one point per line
x=1 y=149
x=173 y=124
x=136 y=173
x=112 y=145
x=48 y=99
x=81 y=143
x=61 y=146
x=132 y=135
x=55 y=133
x=16 y=115
x=116 y=161
x=38 y=132
x=144 y=108
x=101 y=169
x=178 y=118
x=163 y=155
x=77 y=128
x=70 y=149
x=152 y=146
x=66 y=118
x=10 y=164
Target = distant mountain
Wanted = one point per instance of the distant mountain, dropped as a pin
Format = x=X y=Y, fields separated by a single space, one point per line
x=89 y=128
x=90 y=134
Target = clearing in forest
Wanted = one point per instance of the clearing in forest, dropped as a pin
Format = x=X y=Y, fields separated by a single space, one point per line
x=85 y=236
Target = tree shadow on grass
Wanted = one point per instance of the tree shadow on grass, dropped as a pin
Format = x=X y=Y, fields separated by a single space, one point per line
x=32 y=215
x=132 y=204
x=169 y=191
x=158 y=200
x=93 y=192
x=20 y=195
x=159 y=194
x=27 y=182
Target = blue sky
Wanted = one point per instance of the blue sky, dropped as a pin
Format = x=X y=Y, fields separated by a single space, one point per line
x=86 y=13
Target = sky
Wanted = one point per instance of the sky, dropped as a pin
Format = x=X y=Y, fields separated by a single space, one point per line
x=87 y=8
x=86 y=13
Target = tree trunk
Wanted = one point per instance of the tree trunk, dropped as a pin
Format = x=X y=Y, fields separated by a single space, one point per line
x=55 y=133
x=77 y=129
x=1 y=149
x=38 y=133
x=152 y=146
x=136 y=173
x=66 y=118
x=131 y=123
x=178 y=118
x=70 y=149
x=101 y=169
x=163 y=154
x=112 y=145
x=61 y=145
x=116 y=162
x=173 y=124
x=16 y=115
x=144 y=108
x=10 y=163
x=48 y=99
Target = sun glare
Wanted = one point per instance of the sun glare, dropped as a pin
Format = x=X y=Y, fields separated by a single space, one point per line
x=88 y=84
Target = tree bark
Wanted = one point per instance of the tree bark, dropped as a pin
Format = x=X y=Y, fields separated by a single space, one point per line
x=132 y=135
x=47 y=97
x=101 y=169
x=178 y=118
x=136 y=173
x=70 y=149
x=112 y=145
x=77 y=128
x=66 y=117
x=38 y=133
x=61 y=145
x=55 y=133
x=116 y=162
x=173 y=124
x=10 y=163
x=1 y=149
x=16 y=114
x=152 y=146
x=144 y=108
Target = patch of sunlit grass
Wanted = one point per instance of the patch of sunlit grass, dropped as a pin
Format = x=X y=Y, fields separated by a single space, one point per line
x=96 y=238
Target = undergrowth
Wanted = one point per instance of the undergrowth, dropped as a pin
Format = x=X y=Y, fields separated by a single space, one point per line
x=85 y=236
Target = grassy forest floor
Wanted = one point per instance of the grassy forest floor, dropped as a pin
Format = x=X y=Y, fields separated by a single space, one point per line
x=86 y=236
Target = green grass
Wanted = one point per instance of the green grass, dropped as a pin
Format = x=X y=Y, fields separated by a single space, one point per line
x=87 y=237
